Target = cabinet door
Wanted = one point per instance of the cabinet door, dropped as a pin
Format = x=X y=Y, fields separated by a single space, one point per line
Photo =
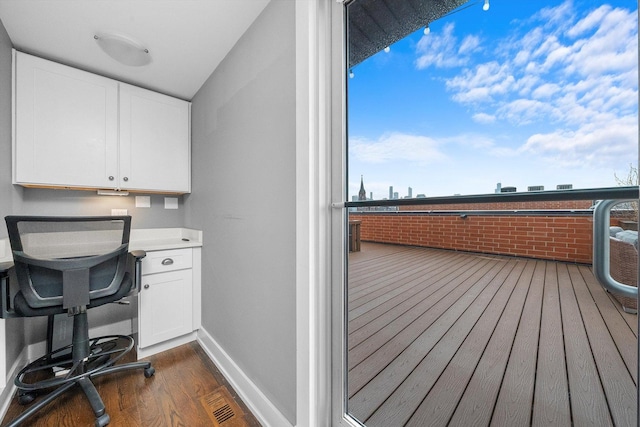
x=154 y=141
x=66 y=126
x=165 y=302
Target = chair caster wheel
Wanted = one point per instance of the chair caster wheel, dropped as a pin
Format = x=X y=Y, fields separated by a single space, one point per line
x=103 y=420
x=25 y=398
x=148 y=372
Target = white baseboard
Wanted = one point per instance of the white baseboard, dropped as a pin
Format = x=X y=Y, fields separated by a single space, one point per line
x=143 y=353
x=261 y=407
x=6 y=393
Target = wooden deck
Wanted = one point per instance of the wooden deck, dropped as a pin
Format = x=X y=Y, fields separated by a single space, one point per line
x=448 y=338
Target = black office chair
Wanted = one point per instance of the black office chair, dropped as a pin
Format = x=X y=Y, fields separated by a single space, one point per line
x=71 y=264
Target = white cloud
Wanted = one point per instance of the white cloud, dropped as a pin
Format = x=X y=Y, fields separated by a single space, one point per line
x=546 y=90
x=439 y=49
x=484 y=118
x=470 y=44
x=481 y=84
x=576 y=76
x=590 y=22
x=396 y=147
x=591 y=144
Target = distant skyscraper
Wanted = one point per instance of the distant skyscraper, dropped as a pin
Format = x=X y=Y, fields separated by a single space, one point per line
x=410 y=192
x=370 y=195
x=390 y=192
x=362 y=195
x=396 y=195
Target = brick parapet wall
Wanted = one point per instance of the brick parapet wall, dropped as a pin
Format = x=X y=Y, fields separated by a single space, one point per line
x=560 y=238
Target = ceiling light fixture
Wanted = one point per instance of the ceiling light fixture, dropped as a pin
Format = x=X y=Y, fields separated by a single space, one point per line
x=123 y=49
x=485 y=7
x=427 y=30
x=387 y=49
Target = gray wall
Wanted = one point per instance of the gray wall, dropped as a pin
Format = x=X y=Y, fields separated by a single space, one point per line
x=36 y=201
x=244 y=169
x=8 y=195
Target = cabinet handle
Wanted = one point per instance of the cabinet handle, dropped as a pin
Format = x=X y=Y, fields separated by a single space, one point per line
x=146 y=286
x=111 y=178
x=125 y=179
x=167 y=261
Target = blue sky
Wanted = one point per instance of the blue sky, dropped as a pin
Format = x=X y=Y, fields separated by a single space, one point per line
x=526 y=93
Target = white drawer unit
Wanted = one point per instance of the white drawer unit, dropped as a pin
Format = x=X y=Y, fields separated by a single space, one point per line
x=169 y=300
x=169 y=260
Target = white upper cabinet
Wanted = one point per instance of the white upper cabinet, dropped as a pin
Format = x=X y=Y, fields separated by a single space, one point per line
x=66 y=130
x=80 y=130
x=154 y=141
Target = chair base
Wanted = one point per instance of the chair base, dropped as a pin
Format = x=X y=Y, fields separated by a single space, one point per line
x=104 y=352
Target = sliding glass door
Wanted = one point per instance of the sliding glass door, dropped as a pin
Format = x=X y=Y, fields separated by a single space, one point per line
x=478 y=137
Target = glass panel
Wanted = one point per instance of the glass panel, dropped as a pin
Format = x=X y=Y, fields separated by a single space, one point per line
x=487 y=313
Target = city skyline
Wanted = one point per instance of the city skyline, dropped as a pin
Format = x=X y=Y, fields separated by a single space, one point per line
x=525 y=94
x=395 y=195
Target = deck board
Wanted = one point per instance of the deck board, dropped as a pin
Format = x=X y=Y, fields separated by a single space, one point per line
x=453 y=338
x=551 y=398
x=477 y=403
x=588 y=403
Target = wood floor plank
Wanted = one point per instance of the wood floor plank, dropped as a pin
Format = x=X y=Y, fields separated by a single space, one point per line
x=515 y=399
x=536 y=365
x=623 y=335
x=405 y=382
x=170 y=398
x=438 y=406
x=368 y=278
x=412 y=322
x=616 y=379
x=604 y=300
x=551 y=402
x=433 y=289
x=402 y=284
x=380 y=352
x=478 y=401
x=588 y=404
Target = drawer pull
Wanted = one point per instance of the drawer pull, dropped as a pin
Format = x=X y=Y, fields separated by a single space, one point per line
x=167 y=261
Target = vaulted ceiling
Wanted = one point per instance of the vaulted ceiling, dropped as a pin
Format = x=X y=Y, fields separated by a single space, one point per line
x=187 y=39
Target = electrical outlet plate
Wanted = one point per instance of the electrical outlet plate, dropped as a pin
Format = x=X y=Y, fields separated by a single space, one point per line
x=118 y=212
x=171 y=203
x=143 y=201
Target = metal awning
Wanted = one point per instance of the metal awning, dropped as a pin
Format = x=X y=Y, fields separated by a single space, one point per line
x=376 y=24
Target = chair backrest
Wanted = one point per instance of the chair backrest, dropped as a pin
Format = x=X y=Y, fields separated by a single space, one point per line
x=68 y=261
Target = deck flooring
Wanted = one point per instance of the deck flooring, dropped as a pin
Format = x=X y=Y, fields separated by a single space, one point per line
x=442 y=338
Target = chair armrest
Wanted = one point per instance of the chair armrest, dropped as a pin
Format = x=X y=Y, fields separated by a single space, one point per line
x=139 y=254
x=7 y=310
x=137 y=268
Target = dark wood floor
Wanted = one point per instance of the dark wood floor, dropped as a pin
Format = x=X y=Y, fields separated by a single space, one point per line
x=186 y=390
x=447 y=338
